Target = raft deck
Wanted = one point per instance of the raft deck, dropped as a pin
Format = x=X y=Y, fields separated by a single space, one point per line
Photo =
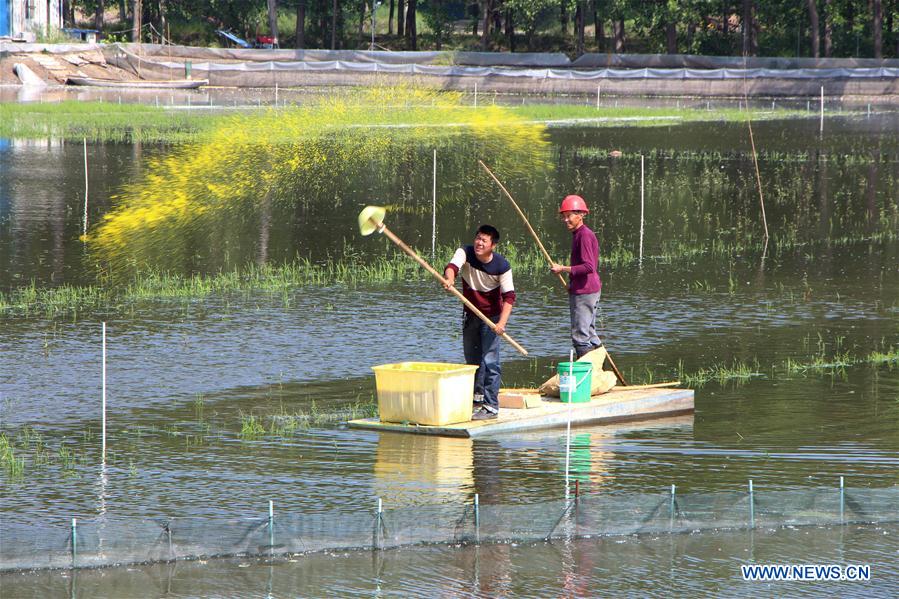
x=617 y=405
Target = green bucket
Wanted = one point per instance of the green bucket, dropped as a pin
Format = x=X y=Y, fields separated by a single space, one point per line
x=576 y=387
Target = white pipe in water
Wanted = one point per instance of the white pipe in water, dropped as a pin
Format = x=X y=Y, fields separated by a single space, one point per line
x=572 y=386
x=103 y=433
x=642 y=195
x=822 y=109
x=84 y=228
x=434 y=210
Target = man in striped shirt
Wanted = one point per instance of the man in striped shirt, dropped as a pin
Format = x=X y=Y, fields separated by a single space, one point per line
x=486 y=283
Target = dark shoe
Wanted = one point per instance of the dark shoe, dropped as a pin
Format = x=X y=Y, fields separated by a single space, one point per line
x=483 y=414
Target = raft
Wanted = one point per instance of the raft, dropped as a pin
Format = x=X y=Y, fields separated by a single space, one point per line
x=618 y=405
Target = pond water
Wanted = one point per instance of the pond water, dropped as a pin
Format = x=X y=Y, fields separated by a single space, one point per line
x=184 y=374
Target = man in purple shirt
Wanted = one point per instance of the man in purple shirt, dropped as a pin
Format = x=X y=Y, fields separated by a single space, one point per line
x=583 y=276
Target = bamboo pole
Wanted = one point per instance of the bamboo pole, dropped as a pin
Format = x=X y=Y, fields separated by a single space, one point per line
x=526 y=222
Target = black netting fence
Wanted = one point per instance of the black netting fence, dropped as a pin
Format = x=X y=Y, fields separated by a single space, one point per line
x=109 y=540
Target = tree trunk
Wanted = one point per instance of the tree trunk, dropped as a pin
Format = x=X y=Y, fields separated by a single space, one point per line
x=390 y=18
x=877 y=26
x=579 y=26
x=273 y=21
x=813 y=27
x=123 y=11
x=671 y=35
x=360 y=29
x=563 y=18
x=400 y=18
x=747 y=27
x=301 y=24
x=828 y=30
x=510 y=31
x=619 y=35
x=335 y=6
x=411 y=33
x=486 y=7
x=599 y=34
x=98 y=15
x=163 y=27
x=136 y=24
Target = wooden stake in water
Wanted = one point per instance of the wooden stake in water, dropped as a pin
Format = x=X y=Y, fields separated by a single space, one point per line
x=103 y=433
x=475 y=95
x=434 y=210
x=84 y=228
x=598 y=93
x=642 y=196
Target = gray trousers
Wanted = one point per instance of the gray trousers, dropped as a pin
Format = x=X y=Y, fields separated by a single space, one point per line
x=583 y=322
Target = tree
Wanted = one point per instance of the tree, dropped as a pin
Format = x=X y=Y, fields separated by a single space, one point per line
x=301 y=24
x=335 y=8
x=828 y=29
x=877 y=27
x=400 y=18
x=599 y=31
x=485 y=30
x=438 y=19
x=579 y=18
x=390 y=18
x=411 y=33
x=136 y=24
x=273 y=20
x=813 y=27
x=748 y=27
x=98 y=15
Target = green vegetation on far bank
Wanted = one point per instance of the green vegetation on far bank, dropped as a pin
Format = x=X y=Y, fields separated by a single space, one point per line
x=145 y=123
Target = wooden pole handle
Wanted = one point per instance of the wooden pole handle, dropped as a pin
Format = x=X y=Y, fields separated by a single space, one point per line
x=412 y=254
x=525 y=219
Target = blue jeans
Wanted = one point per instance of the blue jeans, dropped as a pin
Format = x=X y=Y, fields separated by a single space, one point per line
x=583 y=322
x=481 y=347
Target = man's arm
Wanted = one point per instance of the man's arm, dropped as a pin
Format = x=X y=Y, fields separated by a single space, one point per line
x=503 y=318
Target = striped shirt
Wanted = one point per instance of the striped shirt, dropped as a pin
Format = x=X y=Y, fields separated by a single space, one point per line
x=487 y=286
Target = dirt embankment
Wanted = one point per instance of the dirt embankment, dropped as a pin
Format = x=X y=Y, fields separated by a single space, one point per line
x=55 y=68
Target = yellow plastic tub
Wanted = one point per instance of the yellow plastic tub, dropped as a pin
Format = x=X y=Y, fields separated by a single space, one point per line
x=431 y=393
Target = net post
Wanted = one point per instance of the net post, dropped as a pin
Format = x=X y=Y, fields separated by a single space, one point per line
x=842 y=500
x=671 y=509
x=376 y=536
x=751 y=506
x=74 y=541
x=477 y=519
x=271 y=528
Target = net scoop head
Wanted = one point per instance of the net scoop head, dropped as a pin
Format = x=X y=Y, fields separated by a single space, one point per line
x=370 y=219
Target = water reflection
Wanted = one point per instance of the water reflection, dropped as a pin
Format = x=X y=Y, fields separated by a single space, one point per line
x=409 y=468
